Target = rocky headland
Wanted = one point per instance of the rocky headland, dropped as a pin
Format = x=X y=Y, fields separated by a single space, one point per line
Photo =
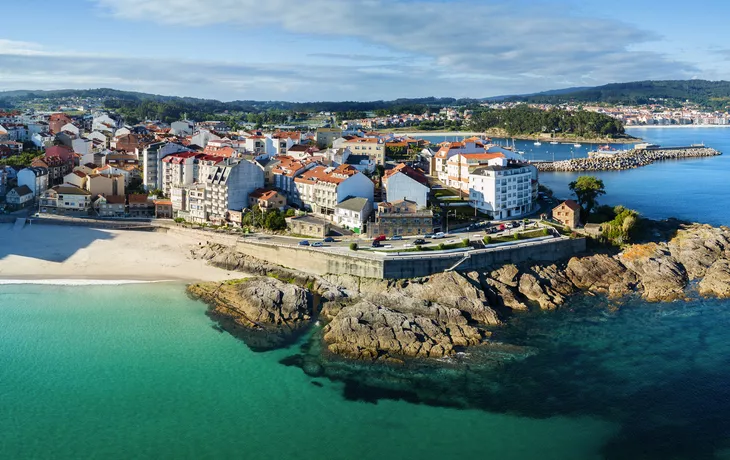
x=438 y=316
x=624 y=160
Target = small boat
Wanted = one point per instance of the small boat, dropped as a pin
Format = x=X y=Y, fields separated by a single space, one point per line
x=538 y=143
x=554 y=143
x=577 y=146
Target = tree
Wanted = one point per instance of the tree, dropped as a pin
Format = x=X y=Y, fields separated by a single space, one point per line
x=587 y=189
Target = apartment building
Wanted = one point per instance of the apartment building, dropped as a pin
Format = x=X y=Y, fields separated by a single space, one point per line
x=373 y=147
x=152 y=156
x=228 y=187
x=322 y=188
x=285 y=171
x=326 y=136
x=505 y=191
x=63 y=199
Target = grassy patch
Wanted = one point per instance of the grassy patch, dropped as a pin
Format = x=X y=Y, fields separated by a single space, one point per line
x=445 y=192
x=523 y=236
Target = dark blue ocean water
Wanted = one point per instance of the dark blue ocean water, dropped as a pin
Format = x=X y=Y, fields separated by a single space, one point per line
x=696 y=190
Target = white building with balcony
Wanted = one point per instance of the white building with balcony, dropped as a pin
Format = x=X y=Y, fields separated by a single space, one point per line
x=505 y=191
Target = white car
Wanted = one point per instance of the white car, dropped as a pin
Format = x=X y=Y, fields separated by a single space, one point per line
x=439 y=235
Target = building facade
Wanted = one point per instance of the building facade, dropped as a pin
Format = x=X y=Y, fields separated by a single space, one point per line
x=403 y=218
x=505 y=191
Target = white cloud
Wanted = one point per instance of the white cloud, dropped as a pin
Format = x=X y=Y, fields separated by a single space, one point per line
x=501 y=38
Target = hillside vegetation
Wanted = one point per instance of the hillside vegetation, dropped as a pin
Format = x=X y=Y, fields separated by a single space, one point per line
x=709 y=94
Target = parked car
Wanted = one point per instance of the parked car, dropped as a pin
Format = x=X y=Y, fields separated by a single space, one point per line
x=428 y=235
x=329 y=239
x=419 y=241
x=439 y=235
x=502 y=227
x=516 y=224
x=380 y=238
x=376 y=244
x=317 y=244
x=396 y=238
x=304 y=243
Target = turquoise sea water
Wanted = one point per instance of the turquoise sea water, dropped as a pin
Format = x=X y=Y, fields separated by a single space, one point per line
x=119 y=372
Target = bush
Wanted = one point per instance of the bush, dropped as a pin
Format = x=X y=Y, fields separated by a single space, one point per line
x=441 y=246
x=419 y=247
x=353 y=246
x=545 y=232
x=517 y=236
x=487 y=239
x=465 y=242
x=179 y=220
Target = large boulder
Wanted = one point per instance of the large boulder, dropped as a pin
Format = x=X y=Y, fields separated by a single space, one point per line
x=602 y=274
x=661 y=275
x=717 y=280
x=367 y=331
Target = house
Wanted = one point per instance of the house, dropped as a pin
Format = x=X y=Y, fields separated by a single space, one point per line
x=266 y=199
x=57 y=121
x=406 y=183
x=63 y=199
x=163 y=209
x=140 y=206
x=505 y=190
x=76 y=178
x=121 y=159
x=284 y=140
x=128 y=143
x=235 y=218
x=228 y=187
x=182 y=128
x=352 y=213
x=285 y=171
x=42 y=139
x=568 y=213
x=315 y=227
x=401 y=217
x=19 y=197
x=36 y=178
x=362 y=163
x=321 y=189
x=111 y=206
x=82 y=146
x=188 y=202
x=326 y=136
x=106 y=185
x=179 y=169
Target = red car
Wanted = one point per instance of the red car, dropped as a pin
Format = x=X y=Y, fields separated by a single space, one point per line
x=379 y=238
x=502 y=227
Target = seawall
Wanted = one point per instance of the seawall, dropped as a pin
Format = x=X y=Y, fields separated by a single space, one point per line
x=386 y=266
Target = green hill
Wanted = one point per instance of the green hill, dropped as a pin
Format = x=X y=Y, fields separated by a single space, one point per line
x=709 y=94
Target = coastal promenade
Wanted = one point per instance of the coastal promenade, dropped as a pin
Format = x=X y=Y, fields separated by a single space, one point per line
x=625 y=160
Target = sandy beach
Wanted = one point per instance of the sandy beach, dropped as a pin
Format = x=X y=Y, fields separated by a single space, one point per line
x=49 y=252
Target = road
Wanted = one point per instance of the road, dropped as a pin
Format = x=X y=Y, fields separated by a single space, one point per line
x=405 y=243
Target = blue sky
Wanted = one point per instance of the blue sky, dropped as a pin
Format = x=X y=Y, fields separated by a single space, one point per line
x=306 y=50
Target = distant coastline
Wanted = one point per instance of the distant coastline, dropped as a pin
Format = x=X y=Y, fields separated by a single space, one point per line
x=524 y=137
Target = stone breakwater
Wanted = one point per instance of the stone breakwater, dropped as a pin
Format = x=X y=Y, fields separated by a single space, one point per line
x=625 y=160
x=436 y=316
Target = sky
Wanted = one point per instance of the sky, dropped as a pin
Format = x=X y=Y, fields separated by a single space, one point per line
x=333 y=50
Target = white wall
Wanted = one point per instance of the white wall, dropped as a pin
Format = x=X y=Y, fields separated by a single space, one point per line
x=400 y=186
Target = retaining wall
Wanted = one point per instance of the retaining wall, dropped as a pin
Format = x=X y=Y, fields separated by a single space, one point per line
x=322 y=261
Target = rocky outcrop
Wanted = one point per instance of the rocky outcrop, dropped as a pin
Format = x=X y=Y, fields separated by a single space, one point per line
x=716 y=282
x=367 y=331
x=262 y=311
x=371 y=319
x=697 y=247
x=601 y=274
x=662 y=277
